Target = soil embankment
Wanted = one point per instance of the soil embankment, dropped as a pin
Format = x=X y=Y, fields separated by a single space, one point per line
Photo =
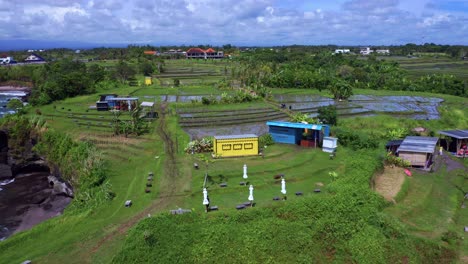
x=389 y=182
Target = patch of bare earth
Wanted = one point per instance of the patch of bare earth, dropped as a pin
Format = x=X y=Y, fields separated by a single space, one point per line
x=389 y=182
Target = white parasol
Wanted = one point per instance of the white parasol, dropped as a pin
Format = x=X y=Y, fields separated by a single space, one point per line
x=251 y=198
x=283 y=186
x=245 y=172
x=205 y=197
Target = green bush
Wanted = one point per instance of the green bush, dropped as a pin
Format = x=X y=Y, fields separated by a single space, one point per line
x=356 y=139
x=266 y=140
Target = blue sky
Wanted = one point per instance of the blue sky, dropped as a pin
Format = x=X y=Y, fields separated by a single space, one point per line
x=239 y=22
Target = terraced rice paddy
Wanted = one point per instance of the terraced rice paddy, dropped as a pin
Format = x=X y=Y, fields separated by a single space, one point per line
x=201 y=122
x=189 y=73
x=418 y=67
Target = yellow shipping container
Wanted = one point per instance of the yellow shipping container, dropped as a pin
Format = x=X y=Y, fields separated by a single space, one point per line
x=235 y=145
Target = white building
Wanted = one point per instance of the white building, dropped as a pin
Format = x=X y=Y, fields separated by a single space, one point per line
x=7 y=60
x=383 y=52
x=366 y=51
x=342 y=51
x=34 y=58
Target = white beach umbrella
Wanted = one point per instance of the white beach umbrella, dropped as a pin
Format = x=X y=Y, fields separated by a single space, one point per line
x=205 y=197
x=283 y=186
x=245 y=172
x=251 y=198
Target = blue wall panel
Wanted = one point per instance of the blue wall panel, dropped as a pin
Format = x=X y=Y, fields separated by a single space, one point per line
x=285 y=135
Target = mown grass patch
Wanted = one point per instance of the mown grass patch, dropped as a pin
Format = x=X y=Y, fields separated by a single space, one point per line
x=430 y=205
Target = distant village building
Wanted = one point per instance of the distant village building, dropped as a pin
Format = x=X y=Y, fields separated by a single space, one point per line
x=7 y=60
x=150 y=52
x=34 y=58
x=197 y=53
x=342 y=51
x=365 y=51
x=383 y=51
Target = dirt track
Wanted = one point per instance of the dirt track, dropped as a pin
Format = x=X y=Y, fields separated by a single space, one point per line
x=165 y=195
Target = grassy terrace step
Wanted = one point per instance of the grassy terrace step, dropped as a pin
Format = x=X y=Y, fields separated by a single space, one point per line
x=233 y=117
x=185 y=115
x=188 y=75
x=206 y=110
x=432 y=66
x=212 y=123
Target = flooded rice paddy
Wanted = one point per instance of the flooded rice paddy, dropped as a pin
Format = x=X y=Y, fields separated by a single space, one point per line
x=229 y=122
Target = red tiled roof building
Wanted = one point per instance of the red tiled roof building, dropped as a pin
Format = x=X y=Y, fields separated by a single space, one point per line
x=197 y=53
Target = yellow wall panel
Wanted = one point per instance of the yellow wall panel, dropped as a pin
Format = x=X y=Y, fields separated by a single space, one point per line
x=236 y=147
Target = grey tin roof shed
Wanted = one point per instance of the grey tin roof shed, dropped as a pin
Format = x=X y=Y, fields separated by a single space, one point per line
x=458 y=134
x=418 y=144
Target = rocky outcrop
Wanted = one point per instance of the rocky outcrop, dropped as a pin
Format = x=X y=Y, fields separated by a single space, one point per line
x=30 y=193
x=59 y=187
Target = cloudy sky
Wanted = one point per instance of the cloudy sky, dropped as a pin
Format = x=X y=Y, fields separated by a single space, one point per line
x=239 y=22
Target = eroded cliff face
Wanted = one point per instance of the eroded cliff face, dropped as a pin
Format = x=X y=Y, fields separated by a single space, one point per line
x=29 y=192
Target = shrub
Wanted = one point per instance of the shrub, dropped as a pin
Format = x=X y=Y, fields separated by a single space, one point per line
x=199 y=146
x=391 y=159
x=266 y=140
x=356 y=140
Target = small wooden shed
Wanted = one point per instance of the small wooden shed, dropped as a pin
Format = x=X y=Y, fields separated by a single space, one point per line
x=419 y=151
x=235 y=145
x=456 y=141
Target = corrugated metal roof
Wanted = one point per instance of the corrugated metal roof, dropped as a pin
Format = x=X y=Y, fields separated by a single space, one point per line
x=150 y=104
x=460 y=134
x=122 y=99
x=236 y=136
x=294 y=125
x=418 y=144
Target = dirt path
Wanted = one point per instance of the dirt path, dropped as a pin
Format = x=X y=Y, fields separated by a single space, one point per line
x=166 y=194
x=389 y=183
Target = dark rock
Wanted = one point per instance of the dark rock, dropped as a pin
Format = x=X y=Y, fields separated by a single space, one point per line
x=276 y=198
x=5 y=172
x=240 y=207
x=299 y=193
x=223 y=184
x=31 y=166
x=317 y=190
x=214 y=208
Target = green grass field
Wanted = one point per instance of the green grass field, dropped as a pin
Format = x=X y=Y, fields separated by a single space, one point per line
x=417 y=67
x=428 y=209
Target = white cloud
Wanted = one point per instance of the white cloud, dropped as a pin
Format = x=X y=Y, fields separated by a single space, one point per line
x=57 y=13
x=266 y=22
x=434 y=20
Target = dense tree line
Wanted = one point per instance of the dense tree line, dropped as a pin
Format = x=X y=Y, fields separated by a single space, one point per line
x=337 y=73
x=68 y=78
